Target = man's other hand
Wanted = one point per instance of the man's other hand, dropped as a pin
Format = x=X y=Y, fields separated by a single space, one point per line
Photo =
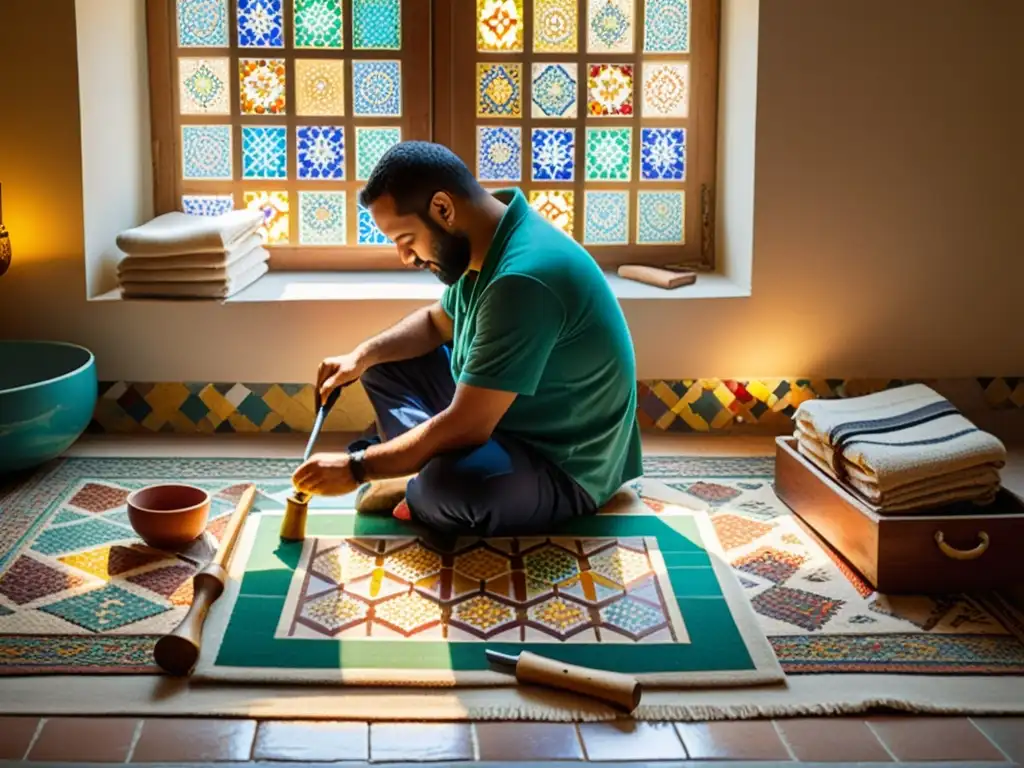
x=337 y=372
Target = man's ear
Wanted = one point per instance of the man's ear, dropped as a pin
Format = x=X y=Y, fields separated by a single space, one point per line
x=442 y=210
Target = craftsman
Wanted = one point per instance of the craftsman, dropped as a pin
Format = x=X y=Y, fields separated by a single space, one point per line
x=512 y=401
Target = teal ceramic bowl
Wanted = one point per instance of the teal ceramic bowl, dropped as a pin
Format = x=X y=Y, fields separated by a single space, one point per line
x=48 y=393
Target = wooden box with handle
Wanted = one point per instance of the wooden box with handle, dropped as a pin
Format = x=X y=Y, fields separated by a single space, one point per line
x=925 y=552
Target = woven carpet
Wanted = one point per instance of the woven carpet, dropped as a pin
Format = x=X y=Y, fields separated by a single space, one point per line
x=80 y=594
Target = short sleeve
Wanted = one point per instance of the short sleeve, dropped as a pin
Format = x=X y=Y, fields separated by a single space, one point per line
x=448 y=301
x=518 y=323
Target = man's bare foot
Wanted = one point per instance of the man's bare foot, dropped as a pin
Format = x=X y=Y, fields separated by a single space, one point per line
x=381 y=496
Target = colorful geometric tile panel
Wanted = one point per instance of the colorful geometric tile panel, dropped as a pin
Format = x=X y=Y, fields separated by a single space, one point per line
x=369 y=232
x=609 y=154
x=320 y=151
x=661 y=218
x=554 y=154
x=377 y=88
x=377 y=24
x=663 y=154
x=610 y=88
x=606 y=217
x=499 y=153
x=499 y=26
x=207 y=205
x=205 y=86
x=554 y=90
x=202 y=23
x=262 y=86
x=322 y=218
x=261 y=23
x=555 y=205
x=371 y=144
x=319 y=24
x=264 y=152
x=206 y=152
x=666 y=88
x=499 y=90
x=545 y=590
x=319 y=87
x=666 y=26
x=274 y=205
x=611 y=25
x=554 y=26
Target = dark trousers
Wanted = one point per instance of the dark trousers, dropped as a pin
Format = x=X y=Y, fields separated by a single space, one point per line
x=501 y=488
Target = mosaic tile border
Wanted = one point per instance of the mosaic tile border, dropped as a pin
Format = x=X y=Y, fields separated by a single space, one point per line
x=671 y=405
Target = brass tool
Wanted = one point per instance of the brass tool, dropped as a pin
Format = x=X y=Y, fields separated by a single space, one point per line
x=293 y=526
x=178 y=651
x=620 y=690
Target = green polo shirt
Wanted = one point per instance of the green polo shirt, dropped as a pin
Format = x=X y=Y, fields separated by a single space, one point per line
x=540 y=320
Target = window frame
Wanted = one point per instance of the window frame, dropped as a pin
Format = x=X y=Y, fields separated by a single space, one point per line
x=439 y=89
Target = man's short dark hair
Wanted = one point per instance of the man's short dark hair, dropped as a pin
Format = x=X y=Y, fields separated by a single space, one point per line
x=412 y=172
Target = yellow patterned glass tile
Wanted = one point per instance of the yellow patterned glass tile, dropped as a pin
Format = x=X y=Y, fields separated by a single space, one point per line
x=554 y=26
x=556 y=206
x=262 y=86
x=499 y=89
x=499 y=25
x=319 y=87
x=275 y=214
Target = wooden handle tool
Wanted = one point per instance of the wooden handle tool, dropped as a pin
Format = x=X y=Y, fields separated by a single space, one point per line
x=660 y=277
x=620 y=690
x=178 y=651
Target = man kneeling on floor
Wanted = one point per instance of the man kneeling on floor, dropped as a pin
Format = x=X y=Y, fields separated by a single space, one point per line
x=512 y=401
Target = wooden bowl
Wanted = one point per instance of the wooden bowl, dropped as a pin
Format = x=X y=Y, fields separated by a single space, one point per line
x=169 y=516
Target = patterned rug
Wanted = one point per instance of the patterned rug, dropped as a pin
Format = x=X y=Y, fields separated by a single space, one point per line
x=80 y=593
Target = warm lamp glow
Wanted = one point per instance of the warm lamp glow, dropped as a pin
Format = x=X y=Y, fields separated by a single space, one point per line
x=5 y=239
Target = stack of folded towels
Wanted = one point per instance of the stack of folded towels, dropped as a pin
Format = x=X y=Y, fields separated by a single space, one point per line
x=901 y=450
x=183 y=255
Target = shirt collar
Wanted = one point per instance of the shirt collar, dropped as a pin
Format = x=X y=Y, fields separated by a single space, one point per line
x=516 y=210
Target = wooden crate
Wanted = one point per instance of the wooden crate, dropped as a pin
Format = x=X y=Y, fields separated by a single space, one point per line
x=928 y=552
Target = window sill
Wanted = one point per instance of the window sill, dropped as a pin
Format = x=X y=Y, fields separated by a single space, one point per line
x=420 y=286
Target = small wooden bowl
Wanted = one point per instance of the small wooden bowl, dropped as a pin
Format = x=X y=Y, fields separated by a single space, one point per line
x=169 y=516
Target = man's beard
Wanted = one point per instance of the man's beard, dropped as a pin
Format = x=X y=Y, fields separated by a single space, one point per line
x=451 y=253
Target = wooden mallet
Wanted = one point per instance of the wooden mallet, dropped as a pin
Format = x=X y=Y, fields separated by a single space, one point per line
x=178 y=651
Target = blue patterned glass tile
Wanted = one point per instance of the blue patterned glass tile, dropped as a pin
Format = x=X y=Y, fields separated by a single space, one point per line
x=203 y=23
x=207 y=205
x=206 y=151
x=322 y=219
x=554 y=90
x=663 y=154
x=369 y=233
x=554 y=154
x=321 y=151
x=260 y=24
x=264 y=152
x=499 y=154
x=92 y=610
x=371 y=144
x=605 y=218
x=660 y=218
x=377 y=88
x=667 y=26
x=377 y=24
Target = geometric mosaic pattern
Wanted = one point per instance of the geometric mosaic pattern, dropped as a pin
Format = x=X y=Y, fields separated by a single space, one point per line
x=262 y=86
x=264 y=152
x=762 y=406
x=499 y=153
x=274 y=205
x=660 y=217
x=609 y=154
x=202 y=23
x=207 y=205
x=499 y=25
x=610 y=90
x=377 y=24
x=377 y=88
x=555 y=205
x=554 y=153
x=663 y=154
x=554 y=26
x=610 y=26
x=322 y=218
x=204 y=86
x=206 y=151
x=606 y=219
x=371 y=144
x=499 y=88
x=261 y=23
x=540 y=590
x=554 y=90
x=321 y=151
x=666 y=26
x=319 y=24
x=369 y=234
x=666 y=88
x=319 y=87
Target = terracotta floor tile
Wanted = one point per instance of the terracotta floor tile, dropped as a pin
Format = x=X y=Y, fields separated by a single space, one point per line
x=84 y=740
x=420 y=742
x=629 y=740
x=309 y=740
x=832 y=739
x=1006 y=732
x=934 y=738
x=528 y=741
x=194 y=740
x=733 y=740
x=15 y=736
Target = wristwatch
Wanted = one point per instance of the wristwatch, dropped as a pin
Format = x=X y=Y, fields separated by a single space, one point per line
x=356 y=466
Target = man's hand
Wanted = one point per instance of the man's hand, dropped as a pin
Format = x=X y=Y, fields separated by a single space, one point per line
x=338 y=371
x=325 y=474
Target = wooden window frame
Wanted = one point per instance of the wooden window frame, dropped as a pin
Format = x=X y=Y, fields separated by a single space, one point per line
x=439 y=89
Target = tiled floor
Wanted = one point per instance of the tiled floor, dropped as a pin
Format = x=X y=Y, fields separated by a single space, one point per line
x=819 y=740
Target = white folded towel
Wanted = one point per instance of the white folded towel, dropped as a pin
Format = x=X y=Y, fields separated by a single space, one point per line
x=214 y=289
x=178 y=233
x=237 y=266
x=236 y=251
